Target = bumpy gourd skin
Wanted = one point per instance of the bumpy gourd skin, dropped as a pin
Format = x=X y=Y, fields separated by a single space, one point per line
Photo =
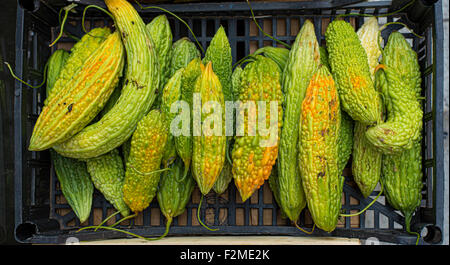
x=318 y=156
x=171 y=94
x=183 y=143
x=345 y=140
x=236 y=81
x=174 y=191
x=159 y=29
x=324 y=56
x=224 y=179
x=404 y=113
x=147 y=148
x=81 y=98
x=79 y=53
x=350 y=69
x=401 y=173
x=366 y=163
x=278 y=54
x=209 y=143
x=140 y=82
x=107 y=173
x=72 y=174
x=304 y=59
x=56 y=63
x=254 y=155
x=76 y=184
x=183 y=52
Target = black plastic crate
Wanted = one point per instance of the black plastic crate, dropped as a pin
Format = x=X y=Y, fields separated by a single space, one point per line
x=42 y=216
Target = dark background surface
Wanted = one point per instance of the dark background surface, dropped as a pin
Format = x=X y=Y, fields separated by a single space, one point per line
x=7 y=53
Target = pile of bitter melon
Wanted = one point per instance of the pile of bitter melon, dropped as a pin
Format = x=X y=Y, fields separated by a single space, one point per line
x=119 y=116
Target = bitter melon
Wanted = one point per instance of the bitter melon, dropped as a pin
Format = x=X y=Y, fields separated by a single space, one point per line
x=147 y=149
x=183 y=52
x=303 y=62
x=404 y=113
x=318 y=156
x=350 y=68
x=55 y=63
x=81 y=98
x=209 y=141
x=366 y=166
x=255 y=149
x=140 y=82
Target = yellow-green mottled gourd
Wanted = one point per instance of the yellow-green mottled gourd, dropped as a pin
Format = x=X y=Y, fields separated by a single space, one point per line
x=183 y=142
x=170 y=95
x=174 y=191
x=183 y=52
x=366 y=163
x=147 y=149
x=55 y=63
x=140 y=82
x=219 y=54
x=318 y=156
x=79 y=53
x=255 y=149
x=107 y=173
x=350 y=69
x=236 y=81
x=224 y=179
x=159 y=29
x=278 y=54
x=401 y=173
x=209 y=140
x=72 y=174
x=303 y=62
x=81 y=98
x=404 y=113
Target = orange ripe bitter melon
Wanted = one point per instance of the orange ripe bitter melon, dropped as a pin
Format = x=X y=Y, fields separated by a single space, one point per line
x=81 y=98
x=138 y=93
x=254 y=154
x=318 y=156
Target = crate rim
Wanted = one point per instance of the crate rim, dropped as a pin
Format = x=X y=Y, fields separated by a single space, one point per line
x=438 y=69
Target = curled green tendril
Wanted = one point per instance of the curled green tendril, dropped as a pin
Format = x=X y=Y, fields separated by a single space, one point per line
x=260 y=29
x=84 y=15
x=303 y=230
x=23 y=82
x=67 y=9
x=367 y=207
x=404 y=25
x=177 y=17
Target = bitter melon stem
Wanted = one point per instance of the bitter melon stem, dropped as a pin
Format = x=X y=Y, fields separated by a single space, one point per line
x=367 y=207
x=198 y=216
x=303 y=230
x=67 y=10
x=408 y=217
x=23 y=82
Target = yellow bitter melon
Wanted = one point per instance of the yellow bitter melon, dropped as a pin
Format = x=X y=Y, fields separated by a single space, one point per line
x=81 y=98
x=140 y=82
x=350 y=68
x=303 y=62
x=147 y=149
x=318 y=156
x=209 y=140
x=255 y=149
x=79 y=53
x=404 y=113
x=366 y=165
